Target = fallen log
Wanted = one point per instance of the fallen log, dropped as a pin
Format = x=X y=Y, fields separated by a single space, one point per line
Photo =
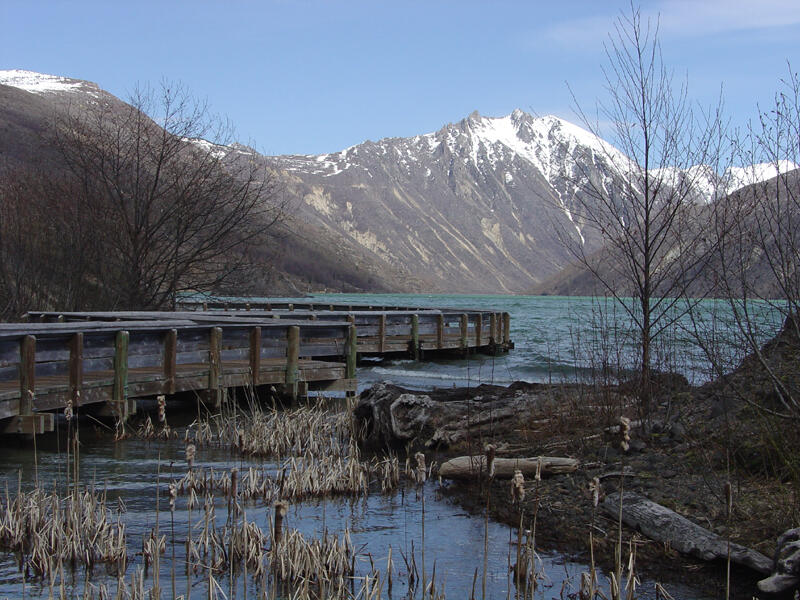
x=469 y=467
x=664 y=525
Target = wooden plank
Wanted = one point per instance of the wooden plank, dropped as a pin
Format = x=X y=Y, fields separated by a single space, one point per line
x=76 y=368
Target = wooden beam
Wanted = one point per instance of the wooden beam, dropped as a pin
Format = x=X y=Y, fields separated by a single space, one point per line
x=215 y=365
x=27 y=374
x=478 y=330
x=292 y=359
x=170 y=360
x=76 y=368
x=352 y=351
x=440 y=331
x=382 y=334
x=464 y=329
x=492 y=329
x=506 y=327
x=415 y=336
x=119 y=394
x=255 y=355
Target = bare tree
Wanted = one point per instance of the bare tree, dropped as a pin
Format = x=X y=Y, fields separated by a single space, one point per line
x=171 y=212
x=758 y=253
x=654 y=249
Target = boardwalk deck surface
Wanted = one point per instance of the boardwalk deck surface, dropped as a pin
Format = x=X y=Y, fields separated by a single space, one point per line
x=113 y=358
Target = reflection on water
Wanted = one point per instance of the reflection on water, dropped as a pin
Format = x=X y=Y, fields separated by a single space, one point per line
x=130 y=470
x=133 y=472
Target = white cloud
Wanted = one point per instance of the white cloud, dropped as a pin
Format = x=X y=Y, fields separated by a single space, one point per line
x=685 y=18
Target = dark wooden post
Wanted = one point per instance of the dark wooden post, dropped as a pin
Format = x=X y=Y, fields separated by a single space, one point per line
x=506 y=327
x=292 y=359
x=464 y=329
x=382 y=334
x=440 y=331
x=27 y=374
x=493 y=329
x=170 y=360
x=255 y=355
x=119 y=397
x=76 y=368
x=415 y=336
x=478 y=330
x=352 y=351
x=215 y=365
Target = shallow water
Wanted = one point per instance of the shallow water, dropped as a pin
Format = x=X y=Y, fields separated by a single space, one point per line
x=129 y=470
x=551 y=336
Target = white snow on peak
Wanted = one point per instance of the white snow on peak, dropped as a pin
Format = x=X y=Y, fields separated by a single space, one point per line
x=739 y=177
x=540 y=140
x=38 y=83
x=215 y=150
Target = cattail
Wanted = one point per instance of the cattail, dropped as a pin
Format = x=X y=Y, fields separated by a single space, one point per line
x=518 y=487
x=594 y=489
x=624 y=433
x=420 y=472
x=68 y=410
x=490 y=452
x=162 y=409
x=173 y=494
x=728 y=498
x=281 y=508
x=538 y=476
x=191 y=449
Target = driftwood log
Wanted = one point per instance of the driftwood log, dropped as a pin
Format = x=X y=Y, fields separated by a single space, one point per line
x=389 y=416
x=469 y=467
x=664 y=525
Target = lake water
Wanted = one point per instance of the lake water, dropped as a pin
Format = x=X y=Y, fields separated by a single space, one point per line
x=552 y=336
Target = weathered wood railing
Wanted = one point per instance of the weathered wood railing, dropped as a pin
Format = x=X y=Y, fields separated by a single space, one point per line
x=112 y=358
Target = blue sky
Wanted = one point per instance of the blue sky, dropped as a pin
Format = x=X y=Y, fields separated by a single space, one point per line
x=311 y=76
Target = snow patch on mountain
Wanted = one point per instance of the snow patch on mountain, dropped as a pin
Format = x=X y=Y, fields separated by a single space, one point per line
x=40 y=83
x=739 y=177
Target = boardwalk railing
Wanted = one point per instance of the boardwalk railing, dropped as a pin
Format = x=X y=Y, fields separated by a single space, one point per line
x=112 y=358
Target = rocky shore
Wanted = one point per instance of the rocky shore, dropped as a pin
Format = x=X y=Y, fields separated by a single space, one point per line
x=694 y=454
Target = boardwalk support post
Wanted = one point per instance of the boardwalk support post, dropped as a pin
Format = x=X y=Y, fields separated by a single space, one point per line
x=119 y=395
x=506 y=329
x=440 y=331
x=255 y=355
x=415 y=336
x=76 y=368
x=292 y=360
x=382 y=334
x=215 y=366
x=464 y=329
x=352 y=353
x=170 y=360
x=478 y=330
x=28 y=421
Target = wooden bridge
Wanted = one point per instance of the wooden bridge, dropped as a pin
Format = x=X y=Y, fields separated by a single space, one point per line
x=112 y=358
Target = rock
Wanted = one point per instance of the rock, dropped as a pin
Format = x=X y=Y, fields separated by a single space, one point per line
x=786 y=570
x=637 y=445
x=677 y=432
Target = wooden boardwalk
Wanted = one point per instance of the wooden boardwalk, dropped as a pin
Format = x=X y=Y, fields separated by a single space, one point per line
x=113 y=358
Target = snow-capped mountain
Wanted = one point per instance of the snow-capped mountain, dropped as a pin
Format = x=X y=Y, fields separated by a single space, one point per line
x=481 y=205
